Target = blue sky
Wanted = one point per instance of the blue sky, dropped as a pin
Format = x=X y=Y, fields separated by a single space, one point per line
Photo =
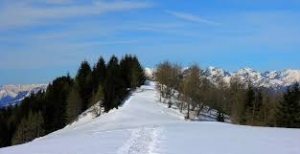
x=43 y=39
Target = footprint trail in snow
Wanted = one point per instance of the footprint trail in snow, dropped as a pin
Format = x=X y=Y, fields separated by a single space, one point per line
x=143 y=140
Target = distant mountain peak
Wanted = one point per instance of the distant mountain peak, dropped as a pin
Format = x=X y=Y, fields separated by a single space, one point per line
x=11 y=94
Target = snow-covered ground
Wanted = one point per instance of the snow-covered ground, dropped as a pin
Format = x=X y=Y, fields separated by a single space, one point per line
x=143 y=126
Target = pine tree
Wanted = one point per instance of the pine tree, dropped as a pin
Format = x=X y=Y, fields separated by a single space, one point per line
x=138 y=72
x=37 y=125
x=126 y=69
x=114 y=89
x=134 y=76
x=55 y=104
x=20 y=134
x=249 y=102
x=74 y=104
x=4 y=138
x=131 y=71
x=99 y=73
x=288 y=111
x=85 y=83
x=29 y=128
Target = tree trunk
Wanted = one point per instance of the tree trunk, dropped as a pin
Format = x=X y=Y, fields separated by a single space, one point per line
x=181 y=107
x=188 y=113
x=200 y=109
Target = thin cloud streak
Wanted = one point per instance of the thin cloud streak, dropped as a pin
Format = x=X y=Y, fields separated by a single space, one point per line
x=105 y=43
x=23 y=14
x=58 y=1
x=191 y=17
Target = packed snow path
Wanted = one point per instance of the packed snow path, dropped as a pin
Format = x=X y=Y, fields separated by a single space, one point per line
x=142 y=140
x=143 y=126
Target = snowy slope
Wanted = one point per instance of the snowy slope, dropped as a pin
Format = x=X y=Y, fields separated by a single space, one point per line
x=143 y=126
x=11 y=94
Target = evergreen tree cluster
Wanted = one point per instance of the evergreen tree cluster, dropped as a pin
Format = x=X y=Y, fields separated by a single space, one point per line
x=288 y=110
x=65 y=98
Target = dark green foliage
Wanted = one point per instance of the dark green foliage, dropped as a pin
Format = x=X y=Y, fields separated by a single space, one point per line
x=119 y=77
x=38 y=114
x=4 y=129
x=253 y=103
x=137 y=74
x=131 y=71
x=99 y=73
x=65 y=98
x=55 y=103
x=288 y=111
x=30 y=127
x=85 y=83
x=250 y=96
x=114 y=88
x=74 y=104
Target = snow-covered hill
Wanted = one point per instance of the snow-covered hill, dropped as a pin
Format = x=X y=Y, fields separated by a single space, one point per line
x=143 y=126
x=271 y=79
x=11 y=94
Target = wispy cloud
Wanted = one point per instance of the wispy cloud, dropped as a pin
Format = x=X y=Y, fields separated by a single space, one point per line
x=24 y=13
x=191 y=17
x=84 y=44
x=58 y=1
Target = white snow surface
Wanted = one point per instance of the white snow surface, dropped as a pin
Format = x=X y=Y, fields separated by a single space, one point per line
x=143 y=126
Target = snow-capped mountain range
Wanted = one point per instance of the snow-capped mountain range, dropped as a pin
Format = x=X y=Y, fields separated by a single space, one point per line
x=277 y=80
x=270 y=79
x=12 y=94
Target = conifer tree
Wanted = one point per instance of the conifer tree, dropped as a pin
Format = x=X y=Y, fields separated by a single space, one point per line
x=131 y=71
x=29 y=128
x=138 y=72
x=249 y=101
x=114 y=85
x=134 y=77
x=85 y=83
x=55 y=105
x=4 y=138
x=126 y=69
x=288 y=111
x=74 y=104
x=99 y=73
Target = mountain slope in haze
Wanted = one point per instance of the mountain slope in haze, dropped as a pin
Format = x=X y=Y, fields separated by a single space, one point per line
x=12 y=94
x=143 y=126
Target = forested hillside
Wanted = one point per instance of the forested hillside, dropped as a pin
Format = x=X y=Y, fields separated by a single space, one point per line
x=66 y=97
